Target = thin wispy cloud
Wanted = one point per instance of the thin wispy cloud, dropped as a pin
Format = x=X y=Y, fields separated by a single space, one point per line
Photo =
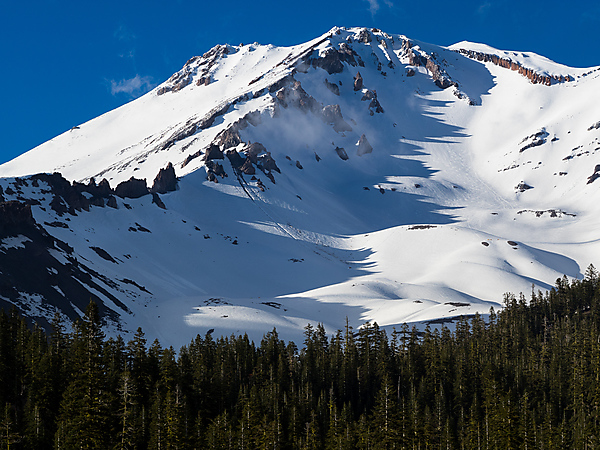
x=484 y=8
x=133 y=87
x=124 y=34
x=375 y=5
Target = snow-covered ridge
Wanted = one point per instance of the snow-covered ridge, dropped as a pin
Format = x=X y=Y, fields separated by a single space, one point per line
x=361 y=174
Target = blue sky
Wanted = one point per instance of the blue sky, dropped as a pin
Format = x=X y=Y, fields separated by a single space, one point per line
x=66 y=62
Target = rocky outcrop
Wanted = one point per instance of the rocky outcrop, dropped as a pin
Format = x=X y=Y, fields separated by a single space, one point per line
x=594 y=126
x=267 y=164
x=522 y=187
x=332 y=114
x=247 y=167
x=332 y=87
x=341 y=153
x=165 y=181
x=595 y=175
x=214 y=170
x=362 y=146
x=213 y=152
x=364 y=36
x=358 y=82
x=132 y=188
x=530 y=74
x=536 y=139
x=332 y=60
x=67 y=198
x=13 y=216
x=374 y=105
x=158 y=201
x=234 y=158
x=253 y=150
x=229 y=138
x=417 y=58
x=297 y=97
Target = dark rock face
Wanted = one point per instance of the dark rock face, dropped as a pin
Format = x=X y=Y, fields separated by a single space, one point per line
x=67 y=198
x=112 y=202
x=363 y=146
x=215 y=169
x=358 y=81
x=267 y=163
x=213 y=152
x=165 y=181
x=234 y=158
x=330 y=61
x=348 y=55
x=13 y=216
x=537 y=139
x=132 y=188
x=595 y=175
x=374 y=104
x=364 y=36
x=229 y=138
x=332 y=114
x=594 y=126
x=247 y=167
x=522 y=187
x=297 y=97
x=253 y=150
x=332 y=87
x=158 y=201
x=341 y=153
x=410 y=72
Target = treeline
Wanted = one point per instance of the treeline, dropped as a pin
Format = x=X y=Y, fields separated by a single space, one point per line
x=528 y=378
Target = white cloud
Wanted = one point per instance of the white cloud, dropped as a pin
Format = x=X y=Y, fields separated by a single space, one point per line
x=134 y=87
x=375 y=5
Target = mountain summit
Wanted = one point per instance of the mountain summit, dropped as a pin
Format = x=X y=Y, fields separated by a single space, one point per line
x=360 y=175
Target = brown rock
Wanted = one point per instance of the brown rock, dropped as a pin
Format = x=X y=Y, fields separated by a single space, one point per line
x=358 y=82
x=332 y=114
x=248 y=167
x=165 y=181
x=213 y=152
x=132 y=188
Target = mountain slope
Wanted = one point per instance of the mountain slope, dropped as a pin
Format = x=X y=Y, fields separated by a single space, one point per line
x=359 y=175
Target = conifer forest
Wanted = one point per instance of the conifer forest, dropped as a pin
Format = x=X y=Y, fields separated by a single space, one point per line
x=526 y=377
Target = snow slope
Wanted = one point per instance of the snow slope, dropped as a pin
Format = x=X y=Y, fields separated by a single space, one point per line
x=478 y=183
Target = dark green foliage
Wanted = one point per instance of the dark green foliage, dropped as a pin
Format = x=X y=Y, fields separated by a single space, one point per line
x=528 y=378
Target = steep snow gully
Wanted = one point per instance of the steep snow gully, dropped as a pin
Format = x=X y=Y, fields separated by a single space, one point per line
x=360 y=175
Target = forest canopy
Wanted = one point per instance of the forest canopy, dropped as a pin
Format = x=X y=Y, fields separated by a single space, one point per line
x=526 y=377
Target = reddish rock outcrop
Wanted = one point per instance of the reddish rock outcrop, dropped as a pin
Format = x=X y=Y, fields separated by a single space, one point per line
x=530 y=74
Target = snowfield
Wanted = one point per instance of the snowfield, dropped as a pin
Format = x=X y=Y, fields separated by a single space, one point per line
x=478 y=181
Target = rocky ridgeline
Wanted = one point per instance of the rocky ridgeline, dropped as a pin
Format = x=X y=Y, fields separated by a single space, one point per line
x=532 y=75
x=198 y=65
x=71 y=198
x=417 y=58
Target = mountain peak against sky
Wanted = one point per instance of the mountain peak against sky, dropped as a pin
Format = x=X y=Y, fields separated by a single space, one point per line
x=361 y=174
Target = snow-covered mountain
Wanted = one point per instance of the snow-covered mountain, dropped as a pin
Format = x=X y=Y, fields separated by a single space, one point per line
x=360 y=175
